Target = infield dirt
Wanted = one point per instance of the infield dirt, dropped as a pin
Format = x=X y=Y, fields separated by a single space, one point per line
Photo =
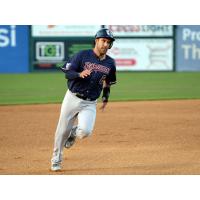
x=141 y=137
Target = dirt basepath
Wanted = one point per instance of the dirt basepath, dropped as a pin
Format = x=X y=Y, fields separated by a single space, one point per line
x=147 y=137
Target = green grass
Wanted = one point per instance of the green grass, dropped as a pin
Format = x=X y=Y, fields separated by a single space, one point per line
x=157 y=86
x=36 y=88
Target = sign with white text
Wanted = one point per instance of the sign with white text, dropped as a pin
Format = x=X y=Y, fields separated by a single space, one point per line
x=188 y=48
x=14 y=49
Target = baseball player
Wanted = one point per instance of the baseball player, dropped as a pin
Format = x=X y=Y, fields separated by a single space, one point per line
x=88 y=73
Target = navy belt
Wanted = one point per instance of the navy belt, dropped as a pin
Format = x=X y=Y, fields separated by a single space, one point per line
x=81 y=96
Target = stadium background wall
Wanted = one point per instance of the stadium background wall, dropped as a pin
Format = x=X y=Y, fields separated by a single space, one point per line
x=177 y=48
x=14 y=49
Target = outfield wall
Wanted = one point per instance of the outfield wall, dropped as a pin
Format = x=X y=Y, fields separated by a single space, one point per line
x=25 y=49
x=137 y=48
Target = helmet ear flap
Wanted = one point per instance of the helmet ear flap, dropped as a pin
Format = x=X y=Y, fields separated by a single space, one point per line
x=111 y=44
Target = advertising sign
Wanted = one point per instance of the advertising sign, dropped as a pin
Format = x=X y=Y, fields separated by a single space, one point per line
x=65 y=30
x=14 y=49
x=143 y=54
x=141 y=30
x=188 y=48
x=49 y=55
x=49 y=51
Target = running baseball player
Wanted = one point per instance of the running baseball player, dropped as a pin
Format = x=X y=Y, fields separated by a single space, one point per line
x=88 y=73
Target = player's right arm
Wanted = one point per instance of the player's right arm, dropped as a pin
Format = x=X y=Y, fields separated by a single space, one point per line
x=71 y=74
x=72 y=69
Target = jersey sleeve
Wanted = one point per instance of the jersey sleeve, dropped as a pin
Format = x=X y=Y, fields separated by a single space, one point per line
x=111 y=78
x=75 y=62
x=72 y=68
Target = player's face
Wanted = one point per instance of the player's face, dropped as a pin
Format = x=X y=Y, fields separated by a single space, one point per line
x=102 y=45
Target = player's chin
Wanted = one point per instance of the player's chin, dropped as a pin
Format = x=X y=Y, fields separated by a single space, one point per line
x=103 y=51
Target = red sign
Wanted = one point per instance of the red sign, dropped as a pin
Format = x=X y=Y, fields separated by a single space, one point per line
x=125 y=62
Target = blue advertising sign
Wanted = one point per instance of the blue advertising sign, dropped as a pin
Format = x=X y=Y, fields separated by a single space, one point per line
x=188 y=48
x=14 y=49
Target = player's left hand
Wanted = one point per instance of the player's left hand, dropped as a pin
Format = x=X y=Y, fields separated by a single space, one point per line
x=103 y=106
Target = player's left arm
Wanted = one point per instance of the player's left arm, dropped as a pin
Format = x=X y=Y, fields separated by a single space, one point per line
x=105 y=96
x=106 y=92
x=106 y=88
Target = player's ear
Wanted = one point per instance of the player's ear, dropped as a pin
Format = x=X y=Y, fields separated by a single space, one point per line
x=95 y=41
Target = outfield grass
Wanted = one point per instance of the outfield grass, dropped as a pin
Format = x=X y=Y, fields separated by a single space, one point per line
x=50 y=87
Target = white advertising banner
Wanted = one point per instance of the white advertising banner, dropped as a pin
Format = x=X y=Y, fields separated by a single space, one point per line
x=143 y=54
x=64 y=30
x=141 y=30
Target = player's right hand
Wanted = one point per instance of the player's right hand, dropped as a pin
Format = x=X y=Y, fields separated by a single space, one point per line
x=85 y=73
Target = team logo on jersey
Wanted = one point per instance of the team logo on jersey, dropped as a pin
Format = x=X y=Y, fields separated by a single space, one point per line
x=67 y=66
x=96 y=67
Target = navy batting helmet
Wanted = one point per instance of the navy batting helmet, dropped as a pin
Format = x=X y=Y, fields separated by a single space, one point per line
x=105 y=33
